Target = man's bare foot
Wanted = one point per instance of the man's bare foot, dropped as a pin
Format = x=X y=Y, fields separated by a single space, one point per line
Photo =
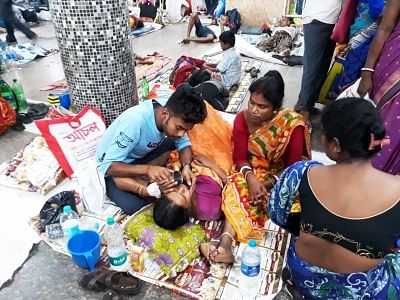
x=186 y=40
x=223 y=255
x=206 y=249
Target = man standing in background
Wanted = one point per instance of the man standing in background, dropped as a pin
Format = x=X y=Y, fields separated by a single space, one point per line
x=10 y=21
x=319 y=18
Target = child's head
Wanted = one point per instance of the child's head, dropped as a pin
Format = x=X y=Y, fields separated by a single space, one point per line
x=284 y=21
x=224 y=20
x=227 y=40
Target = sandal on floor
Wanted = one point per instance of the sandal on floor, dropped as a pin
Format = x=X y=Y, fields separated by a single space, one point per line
x=111 y=295
x=123 y=283
x=94 y=281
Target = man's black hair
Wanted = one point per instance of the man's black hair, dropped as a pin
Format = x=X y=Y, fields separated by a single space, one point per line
x=271 y=86
x=228 y=37
x=186 y=103
x=198 y=77
x=168 y=215
x=352 y=121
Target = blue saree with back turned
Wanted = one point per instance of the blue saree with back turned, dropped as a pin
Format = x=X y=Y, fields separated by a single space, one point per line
x=381 y=282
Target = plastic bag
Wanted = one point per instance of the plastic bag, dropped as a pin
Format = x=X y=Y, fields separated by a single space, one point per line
x=52 y=209
x=90 y=185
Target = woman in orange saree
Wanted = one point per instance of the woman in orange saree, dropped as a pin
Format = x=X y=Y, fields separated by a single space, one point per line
x=266 y=139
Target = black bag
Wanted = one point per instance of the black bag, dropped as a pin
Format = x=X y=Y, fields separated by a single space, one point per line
x=213 y=92
x=30 y=15
x=52 y=209
x=235 y=19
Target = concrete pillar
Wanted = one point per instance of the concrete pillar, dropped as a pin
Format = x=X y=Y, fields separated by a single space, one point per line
x=93 y=37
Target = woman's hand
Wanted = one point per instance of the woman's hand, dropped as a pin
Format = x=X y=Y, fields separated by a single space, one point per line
x=167 y=186
x=157 y=173
x=366 y=84
x=188 y=175
x=257 y=190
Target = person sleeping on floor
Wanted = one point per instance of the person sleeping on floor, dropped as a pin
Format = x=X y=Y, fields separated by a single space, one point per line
x=206 y=34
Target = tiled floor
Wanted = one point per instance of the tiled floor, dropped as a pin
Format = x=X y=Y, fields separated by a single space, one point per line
x=49 y=275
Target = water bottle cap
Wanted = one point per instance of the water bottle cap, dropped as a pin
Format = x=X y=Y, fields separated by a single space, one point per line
x=110 y=220
x=252 y=243
x=14 y=80
x=67 y=209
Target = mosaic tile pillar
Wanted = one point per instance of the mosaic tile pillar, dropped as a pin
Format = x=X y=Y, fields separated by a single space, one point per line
x=93 y=37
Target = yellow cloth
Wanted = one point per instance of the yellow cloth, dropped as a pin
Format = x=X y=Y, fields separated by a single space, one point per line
x=266 y=148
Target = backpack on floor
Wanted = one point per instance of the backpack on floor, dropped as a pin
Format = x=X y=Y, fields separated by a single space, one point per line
x=213 y=91
x=30 y=15
x=235 y=21
x=8 y=115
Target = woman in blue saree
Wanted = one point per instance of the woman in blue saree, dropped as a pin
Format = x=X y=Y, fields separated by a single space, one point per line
x=348 y=224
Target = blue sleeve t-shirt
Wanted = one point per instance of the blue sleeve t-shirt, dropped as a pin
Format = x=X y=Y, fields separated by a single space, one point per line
x=133 y=135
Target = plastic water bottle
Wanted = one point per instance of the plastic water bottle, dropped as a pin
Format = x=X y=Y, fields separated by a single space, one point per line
x=145 y=88
x=20 y=96
x=69 y=221
x=116 y=250
x=250 y=271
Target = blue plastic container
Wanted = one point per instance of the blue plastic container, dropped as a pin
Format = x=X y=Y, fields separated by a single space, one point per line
x=84 y=247
x=65 y=100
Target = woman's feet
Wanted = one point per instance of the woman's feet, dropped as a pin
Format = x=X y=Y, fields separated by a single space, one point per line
x=219 y=251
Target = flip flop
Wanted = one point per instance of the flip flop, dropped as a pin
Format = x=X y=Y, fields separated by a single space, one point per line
x=94 y=281
x=123 y=283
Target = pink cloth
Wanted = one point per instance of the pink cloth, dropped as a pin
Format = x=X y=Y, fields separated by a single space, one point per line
x=209 y=199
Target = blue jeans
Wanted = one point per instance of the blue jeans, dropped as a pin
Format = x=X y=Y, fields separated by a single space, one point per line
x=11 y=22
x=129 y=202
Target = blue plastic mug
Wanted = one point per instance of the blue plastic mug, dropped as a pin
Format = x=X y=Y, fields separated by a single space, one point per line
x=84 y=247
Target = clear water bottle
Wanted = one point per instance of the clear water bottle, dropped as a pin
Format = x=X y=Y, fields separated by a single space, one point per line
x=116 y=250
x=250 y=271
x=69 y=221
x=145 y=88
x=20 y=96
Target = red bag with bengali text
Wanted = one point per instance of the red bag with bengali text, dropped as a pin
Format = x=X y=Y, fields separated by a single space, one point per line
x=73 y=139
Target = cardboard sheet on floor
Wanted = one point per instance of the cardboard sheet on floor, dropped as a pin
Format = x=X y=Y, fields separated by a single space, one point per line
x=16 y=236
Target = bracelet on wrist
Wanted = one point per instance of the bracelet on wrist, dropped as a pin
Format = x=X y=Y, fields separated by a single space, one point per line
x=244 y=168
x=368 y=70
x=270 y=181
x=247 y=173
x=186 y=164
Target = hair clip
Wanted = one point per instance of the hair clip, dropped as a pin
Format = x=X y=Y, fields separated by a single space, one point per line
x=375 y=143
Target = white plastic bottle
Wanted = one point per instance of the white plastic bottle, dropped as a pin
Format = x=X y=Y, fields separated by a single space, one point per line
x=116 y=250
x=69 y=221
x=249 y=279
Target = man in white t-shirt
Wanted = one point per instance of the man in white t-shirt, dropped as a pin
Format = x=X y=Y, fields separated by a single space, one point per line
x=319 y=18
